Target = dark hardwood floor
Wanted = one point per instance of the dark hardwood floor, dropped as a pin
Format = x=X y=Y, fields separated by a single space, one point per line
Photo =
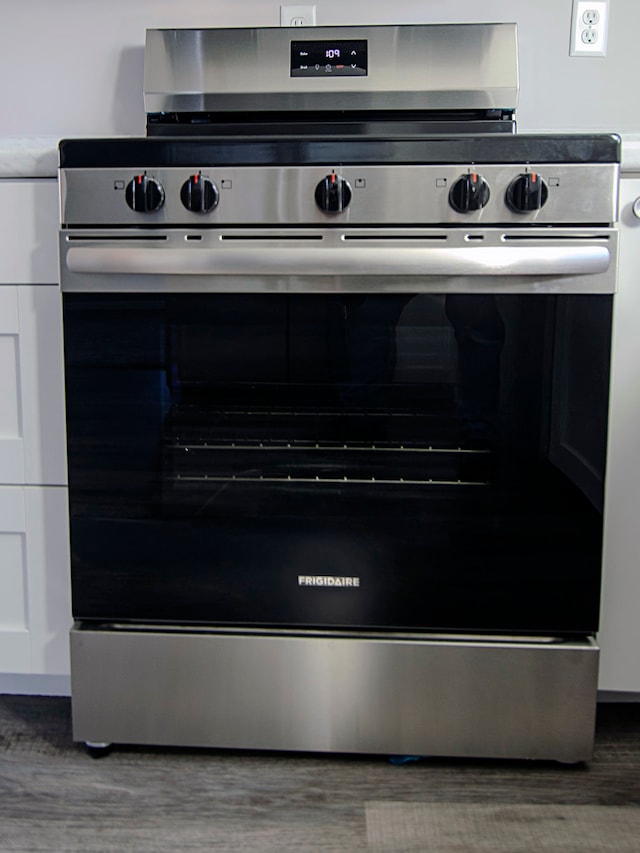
x=54 y=797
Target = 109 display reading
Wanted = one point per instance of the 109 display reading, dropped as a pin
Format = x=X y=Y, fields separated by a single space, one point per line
x=329 y=59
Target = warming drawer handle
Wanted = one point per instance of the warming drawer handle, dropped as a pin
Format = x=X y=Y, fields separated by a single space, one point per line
x=424 y=261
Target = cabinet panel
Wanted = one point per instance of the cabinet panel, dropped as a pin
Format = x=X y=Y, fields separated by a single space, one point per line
x=11 y=444
x=10 y=409
x=29 y=229
x=35 y=600
x=8 y=310
x=41 y=373
x=13 y=611
x=49 y=588
x=15 y=642
x=619 y=635
x=32 y=432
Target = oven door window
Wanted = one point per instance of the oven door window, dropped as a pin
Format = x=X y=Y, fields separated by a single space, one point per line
x=387 y=462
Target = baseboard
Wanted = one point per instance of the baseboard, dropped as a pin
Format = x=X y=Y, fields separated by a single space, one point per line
x=35 y=685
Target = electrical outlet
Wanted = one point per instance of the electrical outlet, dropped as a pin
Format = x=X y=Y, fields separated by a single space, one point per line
x=297 y=16
x=589 y=23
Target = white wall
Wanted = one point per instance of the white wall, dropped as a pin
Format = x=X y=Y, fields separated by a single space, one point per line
x=74 y=67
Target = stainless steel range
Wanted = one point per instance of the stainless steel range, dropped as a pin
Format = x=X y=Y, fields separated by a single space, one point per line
x=337 y=357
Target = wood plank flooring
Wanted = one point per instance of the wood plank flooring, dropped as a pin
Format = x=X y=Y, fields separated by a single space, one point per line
x=54 y=797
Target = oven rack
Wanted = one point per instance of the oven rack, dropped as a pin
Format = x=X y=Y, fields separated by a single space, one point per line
x=318 y=480
x=302 y=444
x=327 y=462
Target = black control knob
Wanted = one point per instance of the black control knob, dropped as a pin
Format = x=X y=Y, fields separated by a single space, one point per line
x=199 y=195
x=333 y=194
x=527 y=192
x=470 y=192
x=144 y=194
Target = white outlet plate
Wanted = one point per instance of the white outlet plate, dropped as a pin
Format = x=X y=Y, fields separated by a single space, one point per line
x=297 y=16
x=589 y=25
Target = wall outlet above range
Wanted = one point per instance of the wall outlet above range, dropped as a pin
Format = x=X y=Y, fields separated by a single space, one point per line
x=589 y=24
x=297 y=16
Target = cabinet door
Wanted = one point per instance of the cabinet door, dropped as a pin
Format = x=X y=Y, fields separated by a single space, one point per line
x=32 y=436
x=15 y=645
x=48 y=579
x=29 y=231
x=32 y=446
x=619 y=635
x=42 y=384
x=11 y=438
x=35 y=607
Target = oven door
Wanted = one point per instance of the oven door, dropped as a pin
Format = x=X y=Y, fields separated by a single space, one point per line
x=419 y=458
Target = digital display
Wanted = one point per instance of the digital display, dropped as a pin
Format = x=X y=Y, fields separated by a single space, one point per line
x=329 y=58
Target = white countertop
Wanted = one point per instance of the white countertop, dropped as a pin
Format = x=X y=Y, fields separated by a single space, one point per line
x=631 y=152
x=28 y=157
x=37 y=156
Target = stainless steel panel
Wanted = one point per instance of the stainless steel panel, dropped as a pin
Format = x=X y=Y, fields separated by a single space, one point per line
x=389 y=194
x=337 y=261
x=444 y=66
x=335 y=693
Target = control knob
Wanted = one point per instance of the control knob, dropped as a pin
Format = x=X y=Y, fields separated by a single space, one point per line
x=470 y=192
x=199 y=195
x=527 y=192
x=144 y=194
x=333 y=194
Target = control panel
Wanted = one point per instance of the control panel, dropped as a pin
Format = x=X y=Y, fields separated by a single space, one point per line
x=349 y=194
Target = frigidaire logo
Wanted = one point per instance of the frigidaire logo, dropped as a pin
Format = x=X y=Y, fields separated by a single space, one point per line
x=326 y=580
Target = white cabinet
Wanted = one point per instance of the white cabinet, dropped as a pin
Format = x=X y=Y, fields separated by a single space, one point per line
x=32 y=444
x=15 y=647
x=35 y=611
x=11 y=444
x=29 y=231
x=32 y=441
x=619 y=636
x=34 y=580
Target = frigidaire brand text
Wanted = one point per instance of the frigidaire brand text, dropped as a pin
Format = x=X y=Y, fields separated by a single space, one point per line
x=326 y=580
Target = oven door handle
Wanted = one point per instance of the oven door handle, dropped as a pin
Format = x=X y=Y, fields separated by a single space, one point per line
x=348 y=260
